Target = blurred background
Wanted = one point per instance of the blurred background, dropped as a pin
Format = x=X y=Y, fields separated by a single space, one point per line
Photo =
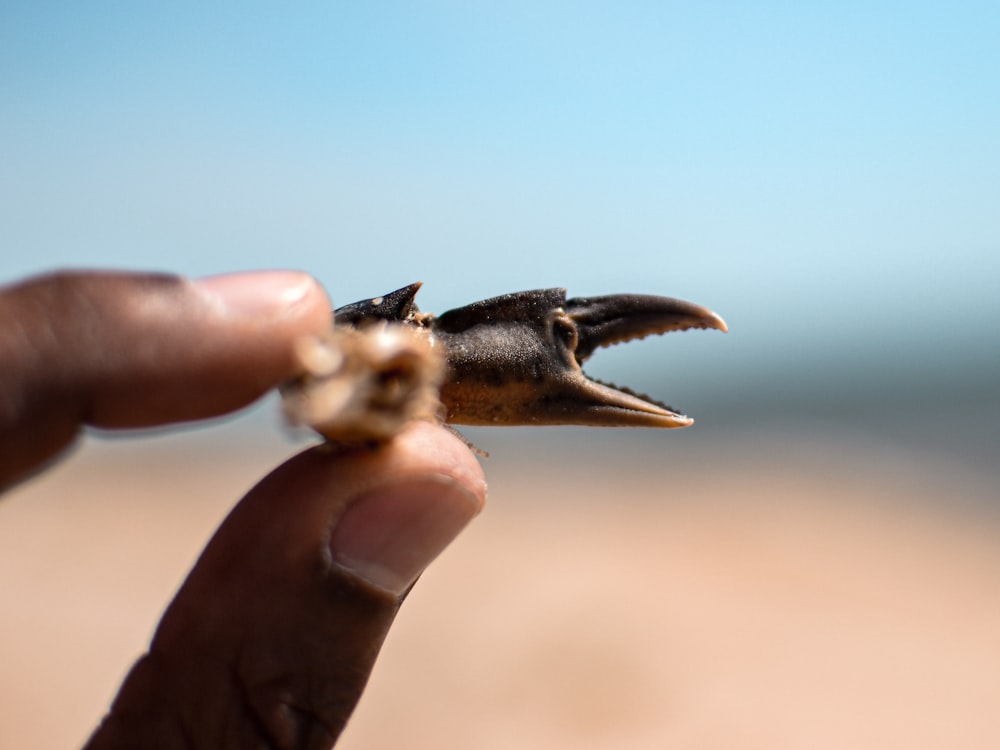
x=815 y=563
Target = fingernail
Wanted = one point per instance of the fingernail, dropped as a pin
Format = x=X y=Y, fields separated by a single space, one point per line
x=390 y=534
x=258 y=293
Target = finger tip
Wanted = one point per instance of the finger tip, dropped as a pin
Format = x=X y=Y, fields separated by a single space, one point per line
x=430 y=489
x=389 y=534
x=322 y=481
x=272 y=295
x=425 y=439
x=395 y=507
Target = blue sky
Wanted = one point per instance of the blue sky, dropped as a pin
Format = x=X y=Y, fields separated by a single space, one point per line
x=827 y=176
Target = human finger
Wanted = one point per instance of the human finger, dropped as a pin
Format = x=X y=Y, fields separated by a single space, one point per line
x=135 y=350
x=270 y=641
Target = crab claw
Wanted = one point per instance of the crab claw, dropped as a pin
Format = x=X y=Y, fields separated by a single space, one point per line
x=517 y=359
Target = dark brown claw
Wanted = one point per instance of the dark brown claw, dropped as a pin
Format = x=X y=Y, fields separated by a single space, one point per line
x=516 y=359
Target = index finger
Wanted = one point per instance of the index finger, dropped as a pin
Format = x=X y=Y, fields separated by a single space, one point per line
x=137 y=350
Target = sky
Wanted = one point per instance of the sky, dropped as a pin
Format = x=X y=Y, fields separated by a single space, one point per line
x=825 y=176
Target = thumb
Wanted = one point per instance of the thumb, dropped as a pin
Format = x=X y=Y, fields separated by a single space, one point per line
x=270 y=641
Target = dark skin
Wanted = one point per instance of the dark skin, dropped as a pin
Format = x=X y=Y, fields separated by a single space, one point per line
x=270 y=641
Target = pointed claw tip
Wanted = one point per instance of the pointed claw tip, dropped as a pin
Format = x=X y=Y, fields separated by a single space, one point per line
x=680 y=420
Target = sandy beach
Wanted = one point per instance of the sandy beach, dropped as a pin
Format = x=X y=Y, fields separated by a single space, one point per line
x=793 y=591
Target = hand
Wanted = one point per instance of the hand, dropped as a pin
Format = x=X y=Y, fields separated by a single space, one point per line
x=270 y=641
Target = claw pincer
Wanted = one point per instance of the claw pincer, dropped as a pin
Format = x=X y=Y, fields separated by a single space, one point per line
x=516 y=359
x=509 y=360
